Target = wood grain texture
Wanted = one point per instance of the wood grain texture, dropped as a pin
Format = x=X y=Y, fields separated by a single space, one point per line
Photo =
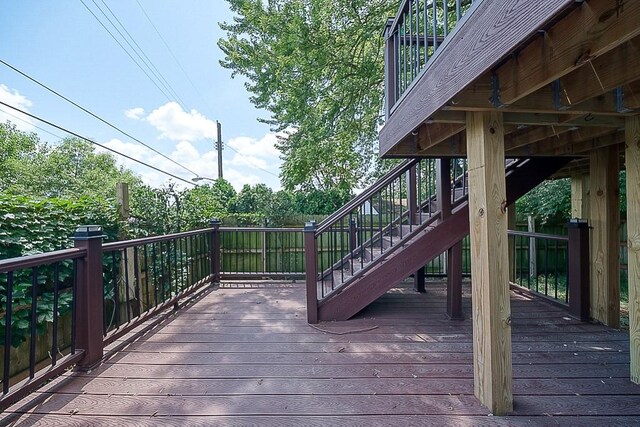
x=605 y=246
x=632 y=158
x=560 y=366
x=589 y=31
x=494 y=30
x=580 y=196
x=489 y=262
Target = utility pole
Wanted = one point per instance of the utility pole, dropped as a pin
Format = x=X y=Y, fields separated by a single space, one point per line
x=219 y=147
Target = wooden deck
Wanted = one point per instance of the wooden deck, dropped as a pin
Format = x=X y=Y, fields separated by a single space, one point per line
x=244 y=355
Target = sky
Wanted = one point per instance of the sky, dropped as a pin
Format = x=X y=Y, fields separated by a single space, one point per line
x=61 y=44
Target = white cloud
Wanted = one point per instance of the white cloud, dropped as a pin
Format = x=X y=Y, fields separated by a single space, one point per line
x=13 y=97
x=134 y=113
x=205 y=164
x=178 y=125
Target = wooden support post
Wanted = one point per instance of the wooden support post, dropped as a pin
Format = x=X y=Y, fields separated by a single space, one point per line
x=632 y=158
x=493 y=380
x=89 y=299
x=311 y=270
x=580 y=196
x=579 y=269
x=454 y=282
x=216 y=253
x=605 y=248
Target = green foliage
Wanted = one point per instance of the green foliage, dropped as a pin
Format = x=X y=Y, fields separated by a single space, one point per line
x=549 y=200
x=30 y=226
x=317 y=67
x=320 y=202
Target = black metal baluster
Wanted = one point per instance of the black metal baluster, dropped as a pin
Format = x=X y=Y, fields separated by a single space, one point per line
x=126 y=284
x=56 y=291
x=7 y=333
x=34 y=321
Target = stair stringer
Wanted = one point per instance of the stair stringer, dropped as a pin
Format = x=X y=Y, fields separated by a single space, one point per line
x=427 y=245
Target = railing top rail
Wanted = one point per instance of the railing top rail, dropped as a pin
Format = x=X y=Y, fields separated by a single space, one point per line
x=357 y=201
x=264 y=229
x=114 y=246
x=539 y=235
x=29 y=261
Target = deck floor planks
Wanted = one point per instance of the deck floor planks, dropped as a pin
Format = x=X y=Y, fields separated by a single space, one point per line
x=246 y=356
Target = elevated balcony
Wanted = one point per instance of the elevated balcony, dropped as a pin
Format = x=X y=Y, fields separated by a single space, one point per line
x=565 y=75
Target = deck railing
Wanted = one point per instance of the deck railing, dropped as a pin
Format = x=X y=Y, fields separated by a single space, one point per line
x=64 y=308
x=374 y=223
x=413 y=37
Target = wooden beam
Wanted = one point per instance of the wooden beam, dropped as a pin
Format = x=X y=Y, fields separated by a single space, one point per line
x=560 y=145
x=491 y=31
x=632 y=95
x=489 y=262
x=605 y=73
x=605 y=220
x=535 y=119
x=580 y=196
x=587 y=32
x=632 y=157
x=478 y=97
x=435 y=133
x=531 y=135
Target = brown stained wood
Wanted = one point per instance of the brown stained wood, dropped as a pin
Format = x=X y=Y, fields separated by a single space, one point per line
x=490 y=33
x=602 y=74
x=605 y=220
x=589 y=31
x=632 y=158
x=319 y=421
x=489 y=262
x=340 y=381
x=570 y=143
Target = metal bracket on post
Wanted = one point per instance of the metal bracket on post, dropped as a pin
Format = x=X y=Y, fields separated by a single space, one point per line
x=215 y=252
x=311 y=270
x=89 y=296
x=556 y=89
x=495 y=91
x=620 y=108
x=579 y=285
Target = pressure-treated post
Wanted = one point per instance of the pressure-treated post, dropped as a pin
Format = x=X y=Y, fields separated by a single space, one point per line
x=579 y=268
x=632 y=159
x=604 y=218
x=311 y=270
x=89 y=303
x=215 y=253
x=492 y=366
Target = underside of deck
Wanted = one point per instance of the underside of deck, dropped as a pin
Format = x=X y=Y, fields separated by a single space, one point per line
x=244 y=355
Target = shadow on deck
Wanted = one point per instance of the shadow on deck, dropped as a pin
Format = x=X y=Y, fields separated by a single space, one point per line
x=244 y=355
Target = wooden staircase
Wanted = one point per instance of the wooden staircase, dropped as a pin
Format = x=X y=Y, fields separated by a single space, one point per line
x=378 y=239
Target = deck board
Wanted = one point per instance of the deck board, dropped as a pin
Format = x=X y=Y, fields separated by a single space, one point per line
x=246 y=356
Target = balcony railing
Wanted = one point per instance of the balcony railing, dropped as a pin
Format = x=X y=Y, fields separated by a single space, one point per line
x=413 y=37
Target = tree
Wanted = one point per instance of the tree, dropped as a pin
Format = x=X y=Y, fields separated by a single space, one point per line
x=317 y=67
x=18 y=150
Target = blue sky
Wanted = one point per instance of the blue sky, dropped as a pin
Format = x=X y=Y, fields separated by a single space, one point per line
x=61 y=44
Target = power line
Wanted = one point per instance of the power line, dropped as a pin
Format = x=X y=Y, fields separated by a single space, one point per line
x=75 y=104
x=173 y=55
x=146 y=60
x=126 y=51
x=33 y=116
x=252 y=164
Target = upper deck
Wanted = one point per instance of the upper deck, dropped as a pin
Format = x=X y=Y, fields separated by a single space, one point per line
x=564 y=74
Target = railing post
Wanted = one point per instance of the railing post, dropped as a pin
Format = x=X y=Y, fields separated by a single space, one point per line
x=353 y=236
x=454 y=282
x=412 y=195
x=215 y=255
x=390 y=78
x=579 y=268
x=311 y=270
x=89 y=304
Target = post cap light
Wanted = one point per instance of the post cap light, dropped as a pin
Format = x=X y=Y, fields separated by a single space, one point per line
x=85 y=232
